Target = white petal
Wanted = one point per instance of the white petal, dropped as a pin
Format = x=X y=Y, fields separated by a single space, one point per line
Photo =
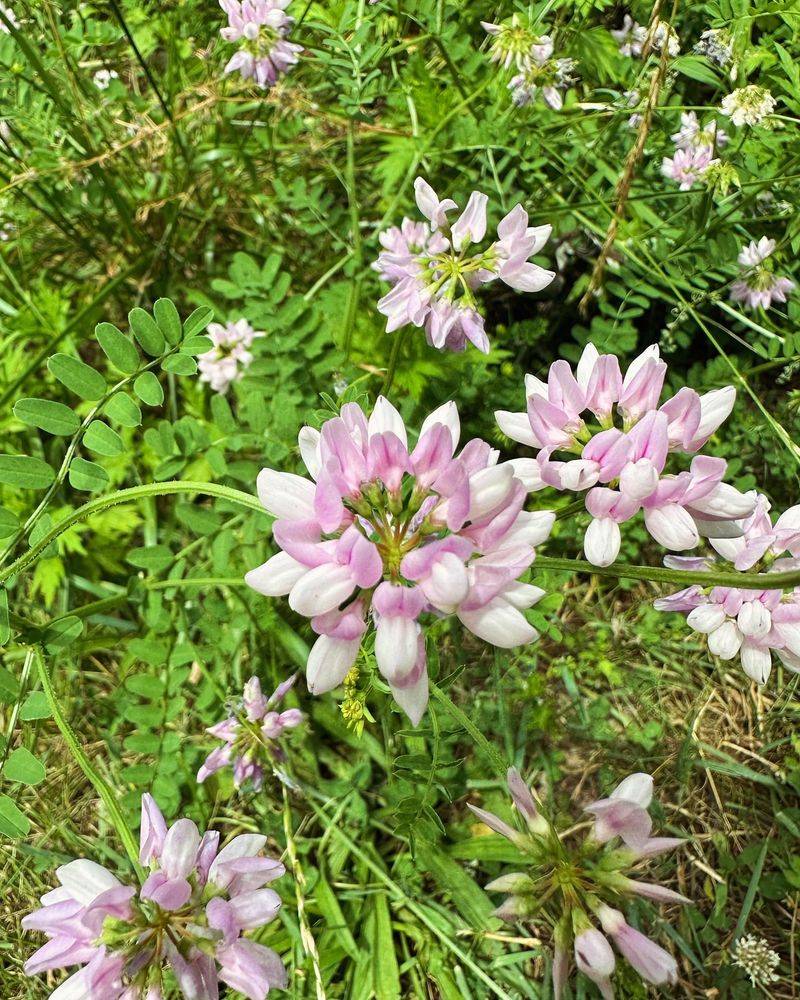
x=636 y=788
x=706 y=618
x=85 y=880
x=756 y=662
x=517 y=427
x=286 y=495
x=528 y=472
x=277 y=576
x=602 y=541
x=500 y=624
x=384 y=417
x=308 y=442
x=396 y=645
x=725 y=641
x=321 y=590
x=446 y=414
x=329 y=662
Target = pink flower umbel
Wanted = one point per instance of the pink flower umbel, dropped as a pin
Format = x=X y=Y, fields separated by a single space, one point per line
x=434 y=272
x=230 y=356
x=400 y=533
x=572 y=886
x=688 y=166
x=186 y=921
x=262 y=27
x=605 y=435
x=691 y=134
x=250 y=735
x=758 y=286
x=750 y=624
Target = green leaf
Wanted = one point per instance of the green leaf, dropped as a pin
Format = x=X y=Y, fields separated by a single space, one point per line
x=62 y=632
x=9 y=688
x=197 y=321
x=169 y=322
x=78 y=377
x=8 y=523
x=386 y=973
x=180 y=364
x=119 y=350
x=148 y=389
x=102 y=440
x=35 y=706
x=87 y=476
x=123 y=409
x=144 y=327
x=145 y=686
x=22 y=766
x=48 y=415
x=152 y=557
x=13 y=823
x=197 y=345
x=25 y=471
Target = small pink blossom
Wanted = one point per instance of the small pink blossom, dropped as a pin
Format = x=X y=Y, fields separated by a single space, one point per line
x=757 y=285
x=262 y=27
x=230 y=356
x=434 y=273
x=188 y=917
x=688 y=166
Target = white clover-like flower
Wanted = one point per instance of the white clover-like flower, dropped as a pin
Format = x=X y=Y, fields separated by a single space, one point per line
x=748 y=105
x=758 y=960
x=103 y=77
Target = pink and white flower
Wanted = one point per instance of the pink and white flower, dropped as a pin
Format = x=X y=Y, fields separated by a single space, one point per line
x=691 y=134
x=757 y=285
x=230 y=356
x=262 y=27
x=434 y=273
x=516 y=44
x=630 y=37
x=189 y=916
x=592 y=877
x=399 y=532
x=750 y=624
x=605 y=435
x=250 y=735
x=551 y=77
x=689 y=166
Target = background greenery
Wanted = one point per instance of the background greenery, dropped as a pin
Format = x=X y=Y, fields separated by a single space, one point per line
x=178 y=182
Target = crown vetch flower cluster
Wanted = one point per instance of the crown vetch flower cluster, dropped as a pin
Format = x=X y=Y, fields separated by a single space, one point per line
x=250 y=734
x=716 y=44
x=262 y=27
x=189 y=915
x=694 y=151
x=628 y=461
x=574 y=886
x=738 y=621
x=434 y=273
x=515 y=44
x=230 y=356
x=400 y=532
x=630 y=37
x=757 y=284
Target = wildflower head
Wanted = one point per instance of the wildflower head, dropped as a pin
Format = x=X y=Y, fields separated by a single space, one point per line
x=630 y=37
x=514 y=43
x=757 y=959
x=663 y=35
x=749 y=105
x=757 y=284
x=435 y=270
x=103 y=77
x=261 y=27
x=692 y=134
x=398 y=532
x=716 y=44
x=251 y=735
x=187 y=919
x=689 y=166
x=230 y=356
x=750 y=624
x=605 y=435
x=551 y=77
x=575 y=885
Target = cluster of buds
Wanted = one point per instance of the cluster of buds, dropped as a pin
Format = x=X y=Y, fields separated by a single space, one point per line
x=716 y=44
x=749 y=105
x=757 y=284
x=262 y=27
x=434 y=271
x=695 y=147
x=515 y=44
x=578 y=415
x=399 y=532
x=250 y=735
x=572 y=886
x=739 y=621
x=187 y=919
x=230 y=356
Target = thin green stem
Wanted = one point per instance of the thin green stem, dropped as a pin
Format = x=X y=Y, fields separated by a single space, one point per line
x=125 y=496
x=394 y=357
x=484 y=746
x=105 y=792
